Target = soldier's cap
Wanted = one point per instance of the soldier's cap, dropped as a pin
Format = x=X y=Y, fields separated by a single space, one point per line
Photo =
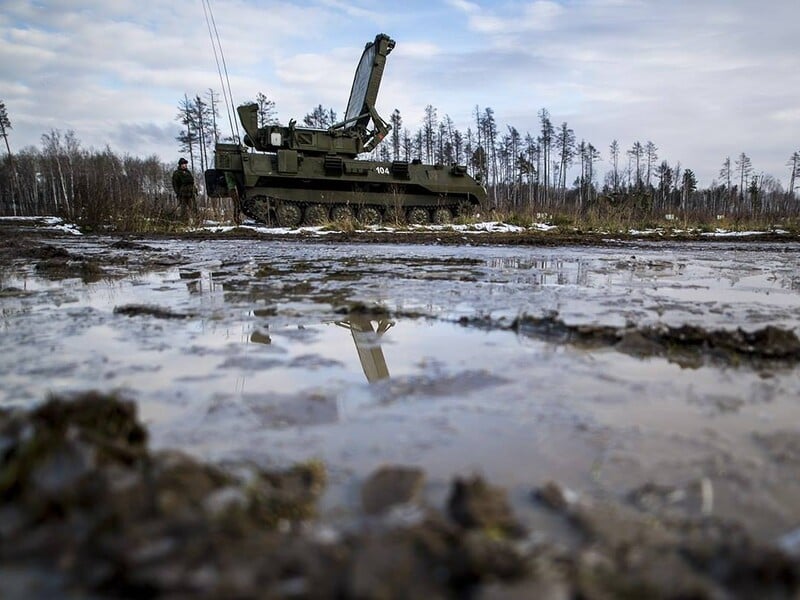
x=183 y=161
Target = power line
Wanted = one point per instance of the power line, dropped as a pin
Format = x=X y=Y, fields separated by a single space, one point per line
x=227 y=94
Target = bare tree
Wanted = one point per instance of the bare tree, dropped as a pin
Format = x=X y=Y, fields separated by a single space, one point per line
x=213 y=113
x=665 y=176
x=651 y=156
x=745 y=167
x=635 y=154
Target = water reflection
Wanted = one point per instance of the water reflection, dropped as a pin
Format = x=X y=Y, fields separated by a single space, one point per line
x=367 y=340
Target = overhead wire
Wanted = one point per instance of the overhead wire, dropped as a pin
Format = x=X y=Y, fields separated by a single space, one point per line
x=227 y=94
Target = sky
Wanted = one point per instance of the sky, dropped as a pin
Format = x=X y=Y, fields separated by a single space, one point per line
x=702 y=79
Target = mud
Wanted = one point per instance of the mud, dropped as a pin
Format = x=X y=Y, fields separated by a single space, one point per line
x=688 y=346
x=89 y=507
x=251 y=416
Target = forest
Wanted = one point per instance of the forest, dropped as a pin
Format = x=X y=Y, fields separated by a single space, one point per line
x=547 y=175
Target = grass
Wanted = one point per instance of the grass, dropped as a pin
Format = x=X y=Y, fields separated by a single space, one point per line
x=161 y=218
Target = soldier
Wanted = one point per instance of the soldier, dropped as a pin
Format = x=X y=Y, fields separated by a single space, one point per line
x=186 y=192
x=233 y=192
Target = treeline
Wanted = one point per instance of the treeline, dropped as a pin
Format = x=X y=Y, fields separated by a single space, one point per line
x=89 y=187
x=553 y=171
x=550 y=171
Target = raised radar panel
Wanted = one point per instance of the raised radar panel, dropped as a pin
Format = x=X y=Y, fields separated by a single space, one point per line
x=290 y=175
x=367 y=82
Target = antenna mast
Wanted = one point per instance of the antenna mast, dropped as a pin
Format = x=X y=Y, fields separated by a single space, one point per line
x=216 y=46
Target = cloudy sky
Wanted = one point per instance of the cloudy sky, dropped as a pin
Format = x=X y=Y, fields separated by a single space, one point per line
x=702 y=79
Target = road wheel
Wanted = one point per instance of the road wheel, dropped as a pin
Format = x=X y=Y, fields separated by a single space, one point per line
x=418 y=216
x=442 y=216
x=342 y=212
x=256 y=207
x=316 y=214
x=288 y=215
x=369 y=215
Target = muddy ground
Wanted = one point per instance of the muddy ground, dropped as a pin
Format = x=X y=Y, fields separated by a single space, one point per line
x=381 y=415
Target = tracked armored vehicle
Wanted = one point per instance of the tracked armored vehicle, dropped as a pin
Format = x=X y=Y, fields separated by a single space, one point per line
x=289 y=175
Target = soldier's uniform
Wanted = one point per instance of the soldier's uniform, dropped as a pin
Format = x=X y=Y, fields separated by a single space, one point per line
x=185 y=191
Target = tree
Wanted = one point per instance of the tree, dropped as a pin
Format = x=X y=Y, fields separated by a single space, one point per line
x=688 y=187
x=651 y=157
x=267 y=115
x=5 y=125
x=745 y=167
x=213 y=113
x=545 y=140
x=188 y=137
x=794 y=175
x=429 y=124
x=636 y=153
x=726 y=173
x=320 y=118
x=664 y=174
x=201 y=119
x=397 y=125
x=566 y=153
x=589 y=155
x=613 y=150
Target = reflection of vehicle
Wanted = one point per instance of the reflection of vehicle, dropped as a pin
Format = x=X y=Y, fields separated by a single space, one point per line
x=298 y=174
x=367 y=340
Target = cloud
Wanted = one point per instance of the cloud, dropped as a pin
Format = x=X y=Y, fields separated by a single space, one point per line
x=700 y=79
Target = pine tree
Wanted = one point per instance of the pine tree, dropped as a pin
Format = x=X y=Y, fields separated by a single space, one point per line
x=320 y=118
x=745 y=167
x=188 y=137
x=397 y=127
x=613 y=150
x=267 y=114
x=5 y=125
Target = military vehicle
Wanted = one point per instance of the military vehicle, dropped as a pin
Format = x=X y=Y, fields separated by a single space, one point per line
x=289 y=175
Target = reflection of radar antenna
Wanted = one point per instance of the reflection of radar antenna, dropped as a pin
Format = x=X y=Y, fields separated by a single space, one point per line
x=227 y=94
x=369 y=350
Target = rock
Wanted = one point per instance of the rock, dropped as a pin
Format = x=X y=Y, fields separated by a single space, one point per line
x=556 y=496
x=475 y=504
x=389 y=486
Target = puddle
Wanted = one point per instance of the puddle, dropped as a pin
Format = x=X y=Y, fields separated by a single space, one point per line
x=358 y=355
